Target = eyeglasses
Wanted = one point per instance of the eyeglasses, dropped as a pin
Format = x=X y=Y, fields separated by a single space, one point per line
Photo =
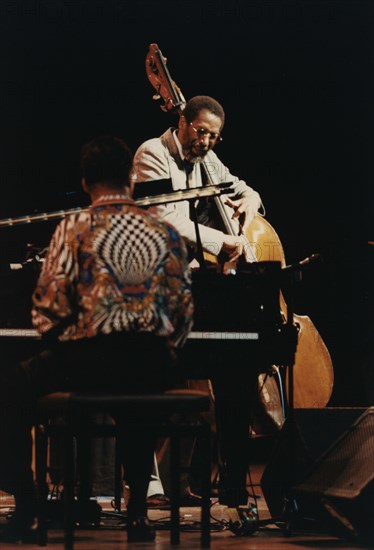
x=202 y=133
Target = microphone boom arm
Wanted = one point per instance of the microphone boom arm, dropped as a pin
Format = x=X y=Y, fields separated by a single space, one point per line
x=176 y=196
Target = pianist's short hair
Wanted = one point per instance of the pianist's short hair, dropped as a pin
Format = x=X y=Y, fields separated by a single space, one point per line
x=201 y=103
x=106 y=159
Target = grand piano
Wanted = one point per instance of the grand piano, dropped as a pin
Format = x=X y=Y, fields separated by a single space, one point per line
x=237 y=314
x=233 y=313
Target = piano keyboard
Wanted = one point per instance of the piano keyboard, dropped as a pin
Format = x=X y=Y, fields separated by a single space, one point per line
x=194 y=335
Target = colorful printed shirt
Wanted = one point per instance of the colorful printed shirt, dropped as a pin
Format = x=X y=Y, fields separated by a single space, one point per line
x=114 y=268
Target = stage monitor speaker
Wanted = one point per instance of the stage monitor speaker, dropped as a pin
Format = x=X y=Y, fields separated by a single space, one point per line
x=340 y=486
x=297 y=450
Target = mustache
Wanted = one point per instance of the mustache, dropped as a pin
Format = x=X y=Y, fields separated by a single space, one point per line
x=202 y=148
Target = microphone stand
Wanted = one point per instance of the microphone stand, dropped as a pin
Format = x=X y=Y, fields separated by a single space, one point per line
x=293 y=275
x=288 y=346
x=289 y=507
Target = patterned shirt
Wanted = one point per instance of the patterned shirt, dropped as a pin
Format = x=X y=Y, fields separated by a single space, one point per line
x=114 y=268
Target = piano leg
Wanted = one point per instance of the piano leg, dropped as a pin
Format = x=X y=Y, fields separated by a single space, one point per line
x=234 y=401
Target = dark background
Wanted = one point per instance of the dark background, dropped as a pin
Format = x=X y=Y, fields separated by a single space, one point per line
x=296 y=82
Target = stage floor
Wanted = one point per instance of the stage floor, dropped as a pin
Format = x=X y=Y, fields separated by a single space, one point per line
x=110 y=535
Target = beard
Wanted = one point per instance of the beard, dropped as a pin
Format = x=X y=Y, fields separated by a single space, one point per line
x=195 y=152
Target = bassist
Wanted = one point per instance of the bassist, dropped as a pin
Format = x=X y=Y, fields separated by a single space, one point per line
x=185 y=154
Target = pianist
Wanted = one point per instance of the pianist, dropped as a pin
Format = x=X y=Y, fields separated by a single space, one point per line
x=115 y=283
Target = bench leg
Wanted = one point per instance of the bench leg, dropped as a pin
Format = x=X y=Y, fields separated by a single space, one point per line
x=174 y=479
x=41 y=453
x=69 y=478
x=204 y=435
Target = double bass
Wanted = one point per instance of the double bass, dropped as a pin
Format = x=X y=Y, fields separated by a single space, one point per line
x=313 y=375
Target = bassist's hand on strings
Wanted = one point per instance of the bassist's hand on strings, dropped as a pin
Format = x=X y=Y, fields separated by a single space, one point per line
x=243 y=208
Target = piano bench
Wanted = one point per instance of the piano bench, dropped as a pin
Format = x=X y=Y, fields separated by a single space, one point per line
x=168 y=414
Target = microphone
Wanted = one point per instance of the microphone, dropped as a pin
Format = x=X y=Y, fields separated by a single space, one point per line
x=305 y=263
